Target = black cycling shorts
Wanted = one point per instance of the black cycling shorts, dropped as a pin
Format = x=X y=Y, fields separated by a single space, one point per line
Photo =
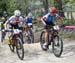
x=49 y=24
x=15 y=27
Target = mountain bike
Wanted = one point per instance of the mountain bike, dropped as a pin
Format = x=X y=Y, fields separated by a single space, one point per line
x=29 y=34
x=15 y=41
x=54 y=39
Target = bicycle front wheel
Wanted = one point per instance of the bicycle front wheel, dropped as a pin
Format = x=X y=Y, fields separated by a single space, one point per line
x=57 y=46
x=31 y=36
x=42 y=40
x=20 y=48
x=11 y=44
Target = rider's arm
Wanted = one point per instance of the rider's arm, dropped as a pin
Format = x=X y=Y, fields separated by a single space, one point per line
x=6 y=24
x=11 y=18
x=43 y=20
x=60 y=18
x=35 y=19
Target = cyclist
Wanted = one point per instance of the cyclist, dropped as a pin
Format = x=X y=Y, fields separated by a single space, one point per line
x=28 y=21
x=4 y=19
x=5 y=16
x=2 y=27
x=11 y=21
x=48 y=20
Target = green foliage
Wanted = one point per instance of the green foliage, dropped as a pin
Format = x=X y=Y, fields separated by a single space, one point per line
x=3 y=6
x=12 y=6
x=25 y=5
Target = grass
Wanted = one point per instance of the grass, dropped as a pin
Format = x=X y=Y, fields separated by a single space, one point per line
x=69 y=34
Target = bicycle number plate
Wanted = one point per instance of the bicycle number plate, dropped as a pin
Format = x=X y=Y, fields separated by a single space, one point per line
x=16 y=31
x=56 y=27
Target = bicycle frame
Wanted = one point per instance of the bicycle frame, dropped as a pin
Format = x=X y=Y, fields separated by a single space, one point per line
x=56 y=40
x=15 y=34
x=53 y=31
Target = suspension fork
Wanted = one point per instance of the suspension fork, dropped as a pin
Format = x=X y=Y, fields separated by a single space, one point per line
x=14 y=40
x=54 y=34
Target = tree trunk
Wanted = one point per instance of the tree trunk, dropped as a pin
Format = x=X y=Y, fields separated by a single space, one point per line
x=59 y=7
x=45 y=4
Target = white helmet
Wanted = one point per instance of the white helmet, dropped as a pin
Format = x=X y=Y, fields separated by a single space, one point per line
x=17 y=13
x=29 y=14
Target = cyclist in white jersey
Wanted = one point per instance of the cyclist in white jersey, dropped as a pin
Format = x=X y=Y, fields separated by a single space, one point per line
x=11 y=22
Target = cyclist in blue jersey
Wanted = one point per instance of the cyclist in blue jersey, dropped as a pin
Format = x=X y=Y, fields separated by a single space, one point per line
x=29 y=25
x=48 y=20
x=29 y=19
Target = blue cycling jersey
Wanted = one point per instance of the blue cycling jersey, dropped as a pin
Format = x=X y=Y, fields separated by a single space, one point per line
x=50 y=18
x=29 y=20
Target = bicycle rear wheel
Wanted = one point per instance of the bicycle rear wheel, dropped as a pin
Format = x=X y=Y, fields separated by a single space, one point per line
x=20 y=48
x=57 y=46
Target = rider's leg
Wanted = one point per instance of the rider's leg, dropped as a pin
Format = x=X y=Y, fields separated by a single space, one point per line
x=26 y=32
x=45 y=45
x=9 y=35
x=26 y=29
x=46 y=36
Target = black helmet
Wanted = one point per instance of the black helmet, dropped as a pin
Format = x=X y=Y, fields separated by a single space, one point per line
x=5 y=14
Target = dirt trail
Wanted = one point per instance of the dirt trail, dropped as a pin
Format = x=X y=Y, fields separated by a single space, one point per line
x=34 y=54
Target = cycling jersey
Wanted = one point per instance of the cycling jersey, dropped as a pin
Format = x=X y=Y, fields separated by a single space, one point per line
x=29 y=20
x=13 y=18
x=48 y=18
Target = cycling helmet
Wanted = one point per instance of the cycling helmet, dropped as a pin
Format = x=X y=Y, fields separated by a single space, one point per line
x=5 y=14
x=17 y=13
x=29 y=14
x=52 y=9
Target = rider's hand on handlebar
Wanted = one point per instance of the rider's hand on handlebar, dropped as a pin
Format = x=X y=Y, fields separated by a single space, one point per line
x=14 y=22
x=63 y=25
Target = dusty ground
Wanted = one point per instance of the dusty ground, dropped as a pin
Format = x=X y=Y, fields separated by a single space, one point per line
x=34 y=54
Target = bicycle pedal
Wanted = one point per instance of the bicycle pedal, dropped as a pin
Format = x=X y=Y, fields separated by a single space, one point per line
x=49 y=43
x=47 y=46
